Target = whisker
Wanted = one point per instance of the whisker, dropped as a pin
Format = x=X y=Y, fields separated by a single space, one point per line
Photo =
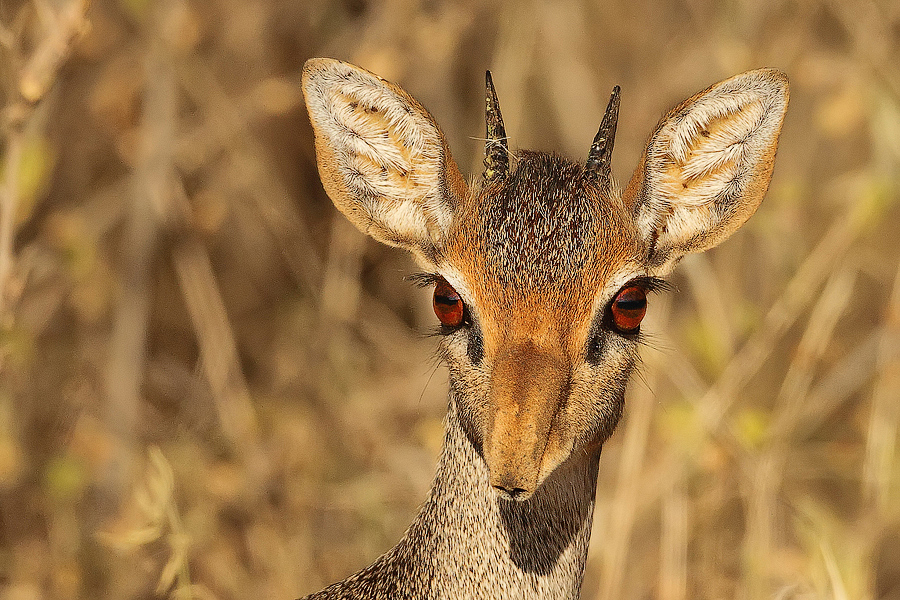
x=496 y=142
x=428 y=382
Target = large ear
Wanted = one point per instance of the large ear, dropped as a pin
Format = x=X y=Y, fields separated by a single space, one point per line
x=382 y=158
x=707 y=166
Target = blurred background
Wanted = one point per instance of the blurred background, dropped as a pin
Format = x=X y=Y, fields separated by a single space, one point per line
x=213 y=387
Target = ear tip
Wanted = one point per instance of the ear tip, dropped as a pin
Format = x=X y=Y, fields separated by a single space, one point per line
x=319 y=64
x=781 y=79
x=782 y=87
x=313 y=68
x=771 y=84
x=774 y=79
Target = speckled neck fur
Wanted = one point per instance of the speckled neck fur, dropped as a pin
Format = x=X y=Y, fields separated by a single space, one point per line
x=467 y=542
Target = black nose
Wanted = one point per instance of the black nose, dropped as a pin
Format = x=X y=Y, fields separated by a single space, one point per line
x=517 y=494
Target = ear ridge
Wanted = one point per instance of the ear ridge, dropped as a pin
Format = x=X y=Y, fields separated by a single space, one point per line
x=383 y=160
x=707 y=165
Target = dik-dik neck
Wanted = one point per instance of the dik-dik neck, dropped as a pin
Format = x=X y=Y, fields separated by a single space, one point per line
x=467 y=542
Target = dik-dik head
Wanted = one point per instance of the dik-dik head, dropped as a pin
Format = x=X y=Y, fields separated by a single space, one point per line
x=541 y=270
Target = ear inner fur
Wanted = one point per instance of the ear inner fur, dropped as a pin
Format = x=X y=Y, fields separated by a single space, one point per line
x=707 y=165
x=383 y=159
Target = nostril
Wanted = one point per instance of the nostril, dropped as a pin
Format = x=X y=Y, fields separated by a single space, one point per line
x=518 y=494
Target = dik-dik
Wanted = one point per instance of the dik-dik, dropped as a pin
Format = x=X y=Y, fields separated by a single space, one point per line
x=541 y=271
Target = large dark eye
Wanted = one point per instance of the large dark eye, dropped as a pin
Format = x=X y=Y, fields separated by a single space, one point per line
x=628 y=308
x=448 y=306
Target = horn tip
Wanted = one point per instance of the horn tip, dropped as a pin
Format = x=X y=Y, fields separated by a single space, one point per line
x=614 y=96
x=600 y=155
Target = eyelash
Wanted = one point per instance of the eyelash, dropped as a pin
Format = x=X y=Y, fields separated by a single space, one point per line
x=423 y=280
x=650 y=284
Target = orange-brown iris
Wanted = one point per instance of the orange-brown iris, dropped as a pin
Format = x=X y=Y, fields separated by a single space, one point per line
x=629 y=308
x=448 y=306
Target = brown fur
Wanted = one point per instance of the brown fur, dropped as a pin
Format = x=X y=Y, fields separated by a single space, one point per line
x=537 y=374
x=533 y=268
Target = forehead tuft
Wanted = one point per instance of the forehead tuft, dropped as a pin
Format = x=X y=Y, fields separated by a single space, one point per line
x=544 y=225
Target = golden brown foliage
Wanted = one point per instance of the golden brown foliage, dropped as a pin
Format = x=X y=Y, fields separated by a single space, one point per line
x=212 y=386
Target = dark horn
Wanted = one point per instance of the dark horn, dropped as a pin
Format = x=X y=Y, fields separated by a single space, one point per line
x=601 y=150
x=496 y=151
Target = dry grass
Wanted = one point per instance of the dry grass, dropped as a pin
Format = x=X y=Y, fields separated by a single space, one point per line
x=212 y=386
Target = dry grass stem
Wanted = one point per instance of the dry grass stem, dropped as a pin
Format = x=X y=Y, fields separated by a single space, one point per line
x=710 y=300
x=824 y=317
x=151 y=190
x=8 y=204
x=173 y=276
x=63 y=30
x=237 y=416
x=250 y=174
x=797 y=295
x=884 y=420
x=34 y=80
x=673 y=572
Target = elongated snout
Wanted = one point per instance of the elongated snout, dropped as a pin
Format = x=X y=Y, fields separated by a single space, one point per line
x=528 y=386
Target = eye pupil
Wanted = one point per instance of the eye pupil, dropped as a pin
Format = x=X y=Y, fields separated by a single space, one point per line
x=448 y=305
x=629 y=308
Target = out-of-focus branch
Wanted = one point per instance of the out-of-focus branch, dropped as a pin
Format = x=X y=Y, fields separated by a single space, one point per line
x=716 y=404
x=881 y=439
x=63 y=31
x=9 y=197
x=150 y=197
x=217 y=346
x=35 y=78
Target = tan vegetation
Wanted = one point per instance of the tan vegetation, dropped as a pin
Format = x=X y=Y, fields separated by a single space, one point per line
x=212 y=386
